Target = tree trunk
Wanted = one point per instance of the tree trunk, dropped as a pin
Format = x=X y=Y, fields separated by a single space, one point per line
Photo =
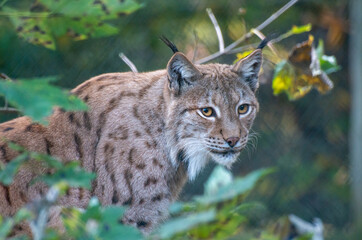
x=355 y=69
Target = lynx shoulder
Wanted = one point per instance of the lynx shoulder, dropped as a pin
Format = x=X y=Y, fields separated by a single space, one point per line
x=144 y=135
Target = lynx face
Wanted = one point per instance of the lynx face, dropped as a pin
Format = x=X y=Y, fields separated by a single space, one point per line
x=211 y=110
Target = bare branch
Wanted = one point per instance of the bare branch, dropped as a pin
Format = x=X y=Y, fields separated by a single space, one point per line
x=243 y=48
x=195 y=48
x=128 y=62
x=217 y=29
x=249 y=34
x=9 y=110
x=4 y=76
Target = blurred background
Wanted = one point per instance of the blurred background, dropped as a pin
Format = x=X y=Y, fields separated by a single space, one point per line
x=306 y=139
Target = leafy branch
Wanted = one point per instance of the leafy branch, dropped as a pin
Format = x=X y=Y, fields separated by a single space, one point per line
x=78 y=20
x=37 y=97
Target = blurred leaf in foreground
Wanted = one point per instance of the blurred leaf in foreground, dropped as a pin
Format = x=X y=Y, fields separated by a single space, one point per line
x=327 y=63
x=238 y=187
x=72 y=174
x=7 y=174
x=97 y=222
x=36 y=97
x=184 y=223
x=6 y=224
x=219 y=177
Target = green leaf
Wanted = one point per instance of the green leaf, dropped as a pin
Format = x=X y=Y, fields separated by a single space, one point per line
x=219 y=177
x=71 y=174
x=18 y=238
x=179 y=207
x=36 y=97
x=185 y=223
x=249 y=207
x=239 y=186
x=112 y=229
x=6 y=224
x=49 y=160
x=97 y=222
x=327 y=63
x=34 y=30
x=21 y=215
x=108 y=9
x=16 y=147
x=7 y=174
x=5 y=227
x=78 y=20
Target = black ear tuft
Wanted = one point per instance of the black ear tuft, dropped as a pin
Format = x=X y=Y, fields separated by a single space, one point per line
x=169 y=44
x=266 y=40
x=263 y=43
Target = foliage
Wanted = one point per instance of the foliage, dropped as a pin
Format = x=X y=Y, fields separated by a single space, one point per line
x=97 y=222
x=304 y=69
x=239 y=186
x=215 y=215
x=69 y=174
x=219 y=217
x=6 y=224
x=48 y=20
x=36 y=97
x=274 y=57
x=7 y=174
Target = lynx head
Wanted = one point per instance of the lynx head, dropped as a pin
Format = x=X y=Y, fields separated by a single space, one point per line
x=210 y=110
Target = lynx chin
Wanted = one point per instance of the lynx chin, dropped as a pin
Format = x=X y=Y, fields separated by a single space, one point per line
x=144 y=135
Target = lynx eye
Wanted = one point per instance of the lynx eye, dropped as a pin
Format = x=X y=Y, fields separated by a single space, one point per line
x=243 y=109
x=207 y=112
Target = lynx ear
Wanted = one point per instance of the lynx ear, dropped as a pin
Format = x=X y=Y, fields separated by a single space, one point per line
x=248 y=68
x=181 y=72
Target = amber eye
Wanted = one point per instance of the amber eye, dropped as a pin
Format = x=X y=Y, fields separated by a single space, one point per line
x=243 y=108
x=207 y=112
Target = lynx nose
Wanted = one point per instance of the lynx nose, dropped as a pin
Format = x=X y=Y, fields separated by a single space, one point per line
x=232 y=141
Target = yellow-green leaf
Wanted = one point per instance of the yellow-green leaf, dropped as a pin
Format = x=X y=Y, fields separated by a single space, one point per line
x=300 y=29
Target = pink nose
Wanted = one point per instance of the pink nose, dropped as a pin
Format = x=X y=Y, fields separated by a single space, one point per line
x=232 y=141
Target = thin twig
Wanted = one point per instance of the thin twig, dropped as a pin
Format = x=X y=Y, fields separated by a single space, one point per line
x=9 y=110
x=249 y=34
x=243 y=48
x=5 y=77
x=196 y=45
x=217 y=29
x=128 y=62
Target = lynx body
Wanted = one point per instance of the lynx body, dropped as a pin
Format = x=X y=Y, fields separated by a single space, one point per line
x=144 y=135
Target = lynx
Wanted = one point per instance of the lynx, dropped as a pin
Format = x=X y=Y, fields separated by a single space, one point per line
x=144 y=135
